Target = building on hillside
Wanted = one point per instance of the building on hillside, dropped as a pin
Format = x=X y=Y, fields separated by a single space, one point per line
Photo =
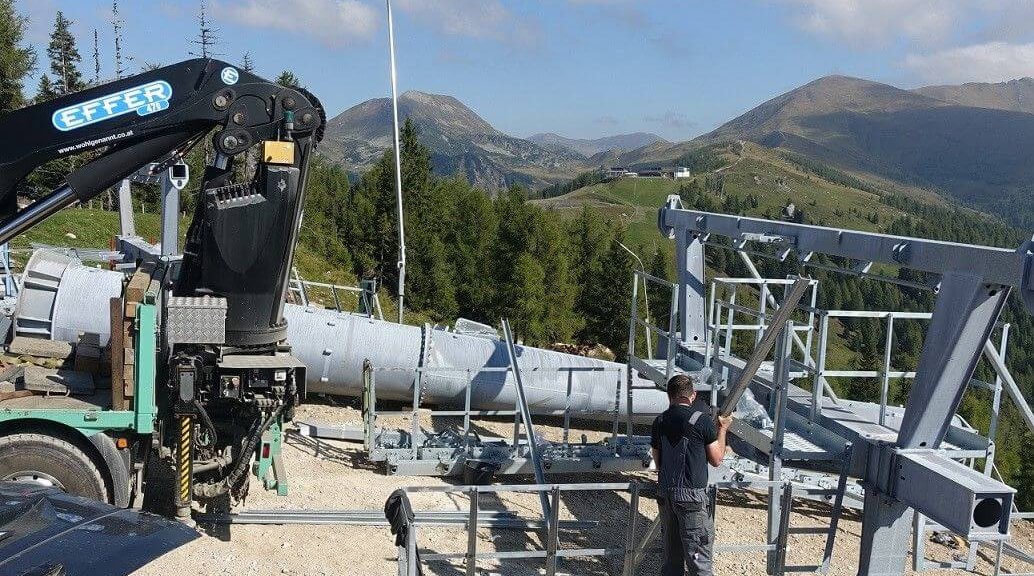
x=652 y=173
x=615 y=172
x=681 y=172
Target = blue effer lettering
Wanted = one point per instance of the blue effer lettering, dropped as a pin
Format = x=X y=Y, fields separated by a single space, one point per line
x=143 y=99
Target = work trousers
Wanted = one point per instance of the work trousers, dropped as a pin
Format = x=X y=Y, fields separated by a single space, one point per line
x=688 y=535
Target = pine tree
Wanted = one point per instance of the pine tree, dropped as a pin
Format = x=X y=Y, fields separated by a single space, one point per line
x=207 y=38
x=64 y=57
x=590 y=238
x=526 y=299
x=246 y=62
x=116 y=26
x=45 y=91
x=607 y=298
x=441 y=289
x=96 y=58
x=660 y=296
x=16 y=61
x=287 y=78
x=551 y=250
x=472 y=236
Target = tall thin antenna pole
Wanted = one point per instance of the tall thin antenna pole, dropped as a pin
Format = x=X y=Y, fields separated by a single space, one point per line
x=96 y=59
x=398 y=163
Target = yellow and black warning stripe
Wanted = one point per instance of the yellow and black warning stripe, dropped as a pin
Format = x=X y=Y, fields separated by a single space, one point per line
x=183 y=461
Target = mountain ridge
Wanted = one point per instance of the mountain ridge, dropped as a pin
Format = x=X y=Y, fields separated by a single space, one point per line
x=459 y=139
x=589 y=147
x=976 y=155
x=1013 y=95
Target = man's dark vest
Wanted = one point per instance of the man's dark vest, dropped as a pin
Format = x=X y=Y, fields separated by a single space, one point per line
x=673 y=478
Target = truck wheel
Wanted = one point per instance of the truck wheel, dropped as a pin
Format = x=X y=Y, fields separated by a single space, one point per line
x=52 y=462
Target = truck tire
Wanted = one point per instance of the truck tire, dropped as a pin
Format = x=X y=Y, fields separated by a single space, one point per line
x=51 y=461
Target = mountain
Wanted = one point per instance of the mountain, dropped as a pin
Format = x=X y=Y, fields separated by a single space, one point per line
x=619 y=143
x=459 y=140
x=1014 y=95
x=980 y=156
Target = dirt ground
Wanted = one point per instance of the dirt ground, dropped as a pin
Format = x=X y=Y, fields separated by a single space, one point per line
x=336 y=475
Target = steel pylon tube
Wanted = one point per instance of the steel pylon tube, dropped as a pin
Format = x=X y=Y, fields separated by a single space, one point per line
x=184 y=465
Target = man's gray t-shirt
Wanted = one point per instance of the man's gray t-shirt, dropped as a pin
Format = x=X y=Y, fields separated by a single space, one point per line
x=673 y=425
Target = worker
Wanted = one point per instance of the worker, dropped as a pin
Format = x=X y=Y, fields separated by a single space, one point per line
x=685 y=438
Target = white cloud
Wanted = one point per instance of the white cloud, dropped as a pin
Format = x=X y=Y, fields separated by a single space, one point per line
x=482 y=19
x=864 y=23
x=988 y=62
x=332 y=22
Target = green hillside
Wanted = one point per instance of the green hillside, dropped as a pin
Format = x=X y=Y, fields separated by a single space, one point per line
x=749 y=170
x=84 y=228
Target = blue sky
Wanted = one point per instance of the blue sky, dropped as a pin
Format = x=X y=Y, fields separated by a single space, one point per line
x=581 y=68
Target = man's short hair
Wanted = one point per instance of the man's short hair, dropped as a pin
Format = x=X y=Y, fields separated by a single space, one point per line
x=680 y=385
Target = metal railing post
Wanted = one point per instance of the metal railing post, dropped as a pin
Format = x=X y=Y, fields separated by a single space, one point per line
x=632 y=528
x=786 y=504
x=885 y=369
x=472 y=533
x=466 y=409
x=730 y=317
x=633 y=324
x=673 y=330
x=416 y=435
x=369 y=405
x=412 y=562
x=553 y=535
x=712 y=325
x=762 y=310
x=820 y=369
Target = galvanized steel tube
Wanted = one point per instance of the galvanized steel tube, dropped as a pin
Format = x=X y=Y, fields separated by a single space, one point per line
x=334 y=346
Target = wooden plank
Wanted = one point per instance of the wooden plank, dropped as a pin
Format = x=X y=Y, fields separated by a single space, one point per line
x=137 y=286
x=116 y=348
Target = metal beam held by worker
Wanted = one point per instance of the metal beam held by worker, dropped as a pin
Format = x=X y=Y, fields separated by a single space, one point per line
x=764 y=347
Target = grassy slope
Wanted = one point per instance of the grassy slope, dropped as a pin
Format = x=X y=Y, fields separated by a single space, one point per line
x=97 y=228
x=757 y=171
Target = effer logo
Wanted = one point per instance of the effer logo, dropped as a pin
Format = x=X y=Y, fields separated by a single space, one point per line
x=144 y=99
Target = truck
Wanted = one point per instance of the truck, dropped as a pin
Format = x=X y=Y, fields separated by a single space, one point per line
x=202 y=378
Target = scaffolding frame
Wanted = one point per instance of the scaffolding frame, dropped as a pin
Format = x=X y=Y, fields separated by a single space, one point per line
x=418 y=452
x=898 y=462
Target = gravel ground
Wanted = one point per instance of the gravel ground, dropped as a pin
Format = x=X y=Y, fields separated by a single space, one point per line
x=336 y=475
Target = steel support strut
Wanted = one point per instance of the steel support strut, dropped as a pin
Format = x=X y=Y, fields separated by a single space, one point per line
x=964 y=315
x=690 y=259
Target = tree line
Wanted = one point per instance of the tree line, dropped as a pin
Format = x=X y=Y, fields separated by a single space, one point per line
x=473 y=255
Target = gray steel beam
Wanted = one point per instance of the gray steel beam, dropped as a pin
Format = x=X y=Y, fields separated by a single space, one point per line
x=1010 y=384
x=761 y=351
x=689 y=254
x=127 y=224
x=529 y=427
x=964 y=315
x=995 y=265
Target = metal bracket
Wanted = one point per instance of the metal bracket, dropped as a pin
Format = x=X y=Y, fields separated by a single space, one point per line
x=1027 y=287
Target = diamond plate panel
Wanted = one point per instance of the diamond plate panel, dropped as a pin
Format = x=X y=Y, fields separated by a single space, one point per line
x=196 y=320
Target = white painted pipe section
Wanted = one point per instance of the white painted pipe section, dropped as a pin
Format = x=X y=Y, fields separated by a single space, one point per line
x=334 y=346
x=61 y=298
